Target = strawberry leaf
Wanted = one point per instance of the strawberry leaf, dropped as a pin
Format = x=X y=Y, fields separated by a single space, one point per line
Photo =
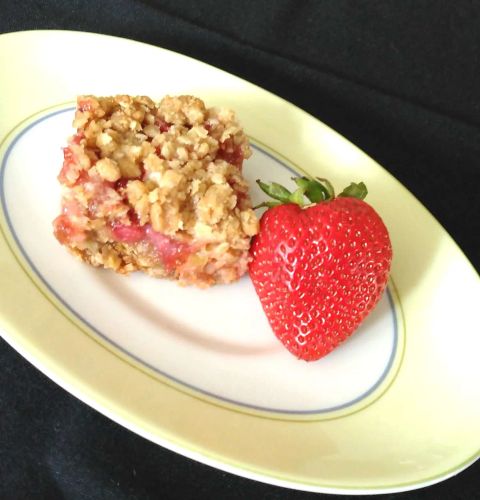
x=314 y=191
x=355 y=190
x=327 y=186
x=297 y=197
x=276 y=191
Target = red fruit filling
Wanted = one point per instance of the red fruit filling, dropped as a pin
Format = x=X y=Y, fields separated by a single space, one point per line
x=162 y=125
x=128 y=234
x=77 y=138
x=171 y=252
x=68 y=162
x=231 y=153
x=85 y=105
x=65 y=231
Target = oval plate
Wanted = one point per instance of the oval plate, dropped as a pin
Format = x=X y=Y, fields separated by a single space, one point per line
x=396 y=407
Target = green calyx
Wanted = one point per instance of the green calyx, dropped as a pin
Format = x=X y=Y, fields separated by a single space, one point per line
x=315 y=190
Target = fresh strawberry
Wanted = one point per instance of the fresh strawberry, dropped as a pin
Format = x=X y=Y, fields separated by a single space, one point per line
x=318 y=269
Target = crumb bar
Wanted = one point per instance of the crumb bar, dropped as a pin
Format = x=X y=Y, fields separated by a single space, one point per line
x=157 y=188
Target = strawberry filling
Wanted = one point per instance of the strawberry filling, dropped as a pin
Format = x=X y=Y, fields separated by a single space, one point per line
x=231 y=153
x=162 y=125
x=72 y=208
x=170 y=251
x=84 y=105
x=128 y=234
x=82 y=178
x=77 y=138
x=66 y=231
x=69 y=164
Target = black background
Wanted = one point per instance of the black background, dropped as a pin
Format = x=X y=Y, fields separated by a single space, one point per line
x=400 y=79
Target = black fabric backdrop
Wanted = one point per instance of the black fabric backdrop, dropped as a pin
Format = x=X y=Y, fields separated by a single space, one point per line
x=399 y=79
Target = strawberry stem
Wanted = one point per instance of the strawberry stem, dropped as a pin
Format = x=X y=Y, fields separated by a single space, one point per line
x=316 y=190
